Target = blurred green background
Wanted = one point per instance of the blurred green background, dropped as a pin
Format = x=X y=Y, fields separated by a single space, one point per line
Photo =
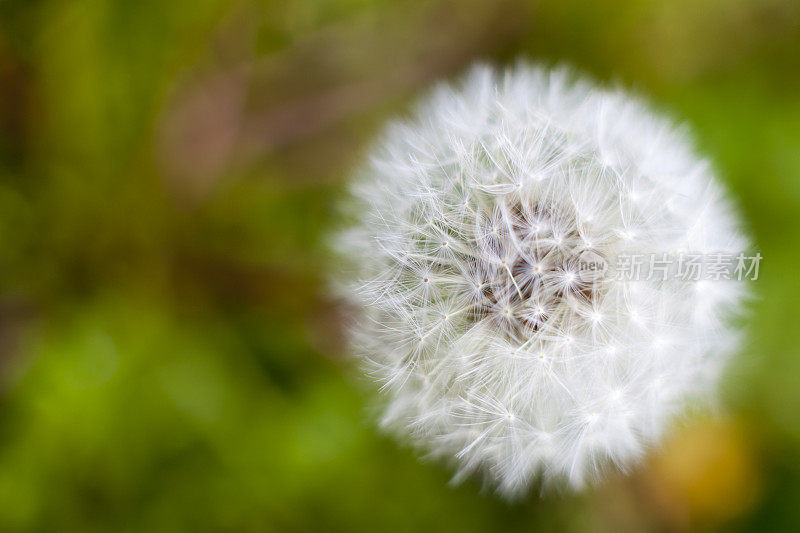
x=169 y=359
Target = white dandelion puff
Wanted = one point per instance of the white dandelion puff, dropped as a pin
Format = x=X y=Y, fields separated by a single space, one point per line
x=492 y=348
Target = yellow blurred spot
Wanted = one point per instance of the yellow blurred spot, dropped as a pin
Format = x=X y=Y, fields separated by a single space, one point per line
x=705 y=474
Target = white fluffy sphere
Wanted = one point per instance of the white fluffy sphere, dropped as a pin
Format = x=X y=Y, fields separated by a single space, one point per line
x=494 y=347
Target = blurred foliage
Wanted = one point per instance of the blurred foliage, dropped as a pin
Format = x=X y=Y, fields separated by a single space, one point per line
x=169 y=358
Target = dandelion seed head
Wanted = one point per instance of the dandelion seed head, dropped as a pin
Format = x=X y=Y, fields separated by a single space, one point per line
x=505 y=360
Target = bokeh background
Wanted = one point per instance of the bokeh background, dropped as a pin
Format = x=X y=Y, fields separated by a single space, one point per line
x=169 y=358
